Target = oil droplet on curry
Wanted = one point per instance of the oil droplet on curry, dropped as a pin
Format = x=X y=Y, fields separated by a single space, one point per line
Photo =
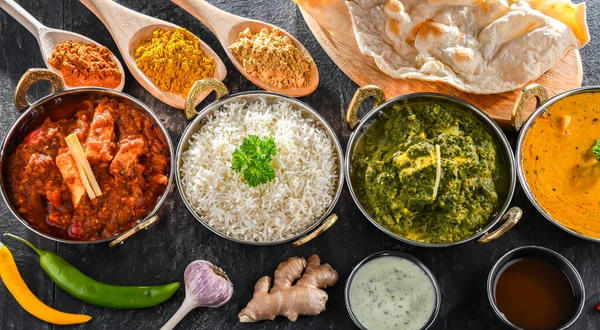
x=559 y=165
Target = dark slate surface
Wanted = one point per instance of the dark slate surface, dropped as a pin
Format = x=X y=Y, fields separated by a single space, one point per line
x=161 y=254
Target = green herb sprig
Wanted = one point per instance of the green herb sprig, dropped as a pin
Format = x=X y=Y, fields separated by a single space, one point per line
x=596 y=150
x=253 y=159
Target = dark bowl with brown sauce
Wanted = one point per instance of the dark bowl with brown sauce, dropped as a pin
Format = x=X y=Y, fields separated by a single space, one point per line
x=532 y=287
x=62 y=105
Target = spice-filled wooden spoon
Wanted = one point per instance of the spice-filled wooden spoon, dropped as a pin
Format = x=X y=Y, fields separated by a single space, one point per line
x=227 y=28
x=129 y=28
x=49 y=38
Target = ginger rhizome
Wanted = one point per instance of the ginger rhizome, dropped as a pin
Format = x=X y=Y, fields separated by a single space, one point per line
x=306 y=297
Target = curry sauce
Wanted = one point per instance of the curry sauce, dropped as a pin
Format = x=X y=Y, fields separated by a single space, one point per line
x=559 y=165
x=427 y=171
x=127 y=154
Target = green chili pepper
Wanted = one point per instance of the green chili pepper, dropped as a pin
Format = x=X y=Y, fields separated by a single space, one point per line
x=84 y=288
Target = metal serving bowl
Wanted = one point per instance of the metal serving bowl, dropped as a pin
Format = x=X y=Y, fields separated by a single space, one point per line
x=34 y=115
x=438 y=295
x=510 y=217
x=201 y=87
x=548 y=255
x=543 y=104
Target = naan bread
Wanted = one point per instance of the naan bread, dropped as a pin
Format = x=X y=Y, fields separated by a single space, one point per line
x=479 y=46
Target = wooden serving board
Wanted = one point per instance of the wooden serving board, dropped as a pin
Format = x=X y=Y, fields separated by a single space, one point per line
x=341 y=46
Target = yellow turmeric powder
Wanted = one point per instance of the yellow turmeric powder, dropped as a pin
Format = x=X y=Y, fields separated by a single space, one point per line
x=173 y=60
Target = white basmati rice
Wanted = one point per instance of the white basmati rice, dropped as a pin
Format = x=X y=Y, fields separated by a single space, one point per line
x=305 y=172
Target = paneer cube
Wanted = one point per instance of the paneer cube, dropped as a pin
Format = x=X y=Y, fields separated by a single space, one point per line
x=68 y=169
x=126 y=157
x=99 y=145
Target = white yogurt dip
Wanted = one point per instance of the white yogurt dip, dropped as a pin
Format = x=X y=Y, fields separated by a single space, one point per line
x=392 y=293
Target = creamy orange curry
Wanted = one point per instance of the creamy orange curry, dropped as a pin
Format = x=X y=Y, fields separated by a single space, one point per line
x=560 y=167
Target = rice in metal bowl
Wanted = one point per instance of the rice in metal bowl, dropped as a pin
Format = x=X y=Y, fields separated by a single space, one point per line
x=305 y=172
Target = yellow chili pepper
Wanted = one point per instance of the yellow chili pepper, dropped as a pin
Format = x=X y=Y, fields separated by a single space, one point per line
x=17 y=287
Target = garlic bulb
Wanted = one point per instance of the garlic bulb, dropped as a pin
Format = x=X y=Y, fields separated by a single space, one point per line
x=206 y=285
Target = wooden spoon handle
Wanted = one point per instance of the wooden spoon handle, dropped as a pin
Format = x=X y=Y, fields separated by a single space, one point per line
x=121 y=21
x=218 y=21
x=22 y=16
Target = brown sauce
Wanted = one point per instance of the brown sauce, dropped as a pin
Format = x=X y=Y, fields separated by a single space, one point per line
x=534 y=294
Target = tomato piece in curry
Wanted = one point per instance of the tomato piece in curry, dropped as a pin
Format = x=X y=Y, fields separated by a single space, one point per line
x=129 y=159
x=561 y=170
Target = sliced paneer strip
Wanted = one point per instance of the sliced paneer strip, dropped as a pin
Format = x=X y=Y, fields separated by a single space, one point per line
x=68 y=169
x=126 y=157
x=99 y=145
x=83 y=166
x=438 y=171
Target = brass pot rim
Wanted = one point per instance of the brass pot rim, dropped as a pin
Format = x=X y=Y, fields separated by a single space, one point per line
x=486 y=120
x=82 y=90
x=196 y=123
x=519 y=155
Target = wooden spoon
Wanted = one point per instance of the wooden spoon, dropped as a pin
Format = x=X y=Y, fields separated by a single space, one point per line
x=227 y=28
x=49 y=38
x=128 y=28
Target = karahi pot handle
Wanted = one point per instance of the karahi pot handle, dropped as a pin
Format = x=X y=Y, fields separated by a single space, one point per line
x=31 y=77
x=203 y=87
x=359 y=97
x=534 y=90
x=510 y=218
x=321 y=229
x=142 y=225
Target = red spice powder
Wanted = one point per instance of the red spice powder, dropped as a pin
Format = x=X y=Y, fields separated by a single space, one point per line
x=86 y=64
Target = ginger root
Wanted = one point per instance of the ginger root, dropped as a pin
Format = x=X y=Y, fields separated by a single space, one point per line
x=306 y=297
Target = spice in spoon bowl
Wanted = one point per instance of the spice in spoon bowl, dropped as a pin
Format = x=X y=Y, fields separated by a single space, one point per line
x=273 y=58
x=173 y=60
x=130 y=29
x=268 y=56
x=168 y=59
x=77 y=59
x=86 y=64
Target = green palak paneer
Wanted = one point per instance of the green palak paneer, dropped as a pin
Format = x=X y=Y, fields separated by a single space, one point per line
x=426 y=171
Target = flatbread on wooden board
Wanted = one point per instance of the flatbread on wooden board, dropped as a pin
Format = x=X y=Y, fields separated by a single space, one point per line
x=478 y=46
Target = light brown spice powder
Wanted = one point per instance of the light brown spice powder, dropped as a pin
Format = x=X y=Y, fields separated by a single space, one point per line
x=273 y=58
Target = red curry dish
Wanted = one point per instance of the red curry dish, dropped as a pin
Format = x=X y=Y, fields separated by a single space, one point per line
x=127 y=154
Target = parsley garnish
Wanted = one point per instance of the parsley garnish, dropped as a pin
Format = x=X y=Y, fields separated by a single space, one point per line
x=253 y=159
x=596 y=149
